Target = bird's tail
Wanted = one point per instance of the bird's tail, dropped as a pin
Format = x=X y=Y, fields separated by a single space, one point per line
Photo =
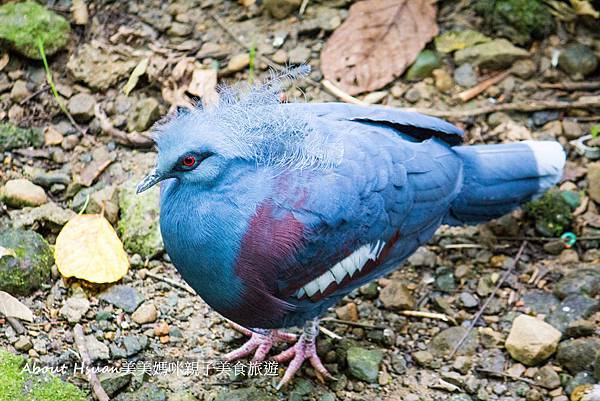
x=498 y=178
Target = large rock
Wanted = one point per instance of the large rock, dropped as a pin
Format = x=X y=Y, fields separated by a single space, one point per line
x=26 y=260
x=572 y=308
x=13 y=137
x=21 y=24
x=123 y=296
x=99 y=68
x=579 y=354
x=363 y=363
x=49 y=215
x=531 y=341
x=593 y=176
x=578 y=60
x=21 y=192
x=139 y=224
x=498 y=53
x=583 y=280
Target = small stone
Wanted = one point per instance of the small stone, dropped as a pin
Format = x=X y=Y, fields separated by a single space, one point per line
x=443 y=80
x=465 y=76
x=112 y=383
x=396 y=296
x=238 y=62
x=462 y=364
x=145 y=113
x=423 y=358
x=75 y=307
x=299 y=55
x=577 y=60
x=413 y=95
x=579 y=281
x=363 y=364
x=568 y=257
x=423 y=257
x=81 y=106
x=460 y=397
x=19 y=91
x=468 y=300
x=21 y=192
x=280 y=56
x=547 y=377
x=423 y=66
x=161 y=329
x=497 y=118
x=50 y=215
x=179 y=29
x=445 y=342
x=281 y=9
x=444 y=280
x=531 y=341
x=540 y=302
x=572 y=308
x=571 y=129
x=23 y=344
x=578 y=354
x=96 y=349
x=579 y=382
x=593 y=176
x=554 y=247
x=134 y=344
x=490 y=338
x=524 y=69
x=243 y=394
x=69 y=142
x=123 y=296
x=52 y=137
x=347 y=312
x=498 y=53
x=146 y=313
x=580 y=328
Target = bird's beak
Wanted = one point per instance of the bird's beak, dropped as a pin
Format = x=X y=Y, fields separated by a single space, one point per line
x=148 y=182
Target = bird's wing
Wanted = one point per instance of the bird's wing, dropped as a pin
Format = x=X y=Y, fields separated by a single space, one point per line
x=416 y=125
x=369 y=213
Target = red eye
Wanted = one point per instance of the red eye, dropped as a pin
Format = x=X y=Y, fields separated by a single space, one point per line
x=188 y=161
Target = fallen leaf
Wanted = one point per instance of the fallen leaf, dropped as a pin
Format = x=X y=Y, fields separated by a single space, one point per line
x=584 y=7
x=12 y=307
x=377 y=42
x=138 y=71
x=88 y=248
x=204 y=84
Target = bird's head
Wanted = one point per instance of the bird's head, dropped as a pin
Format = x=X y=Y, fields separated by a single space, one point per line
x=249 y=125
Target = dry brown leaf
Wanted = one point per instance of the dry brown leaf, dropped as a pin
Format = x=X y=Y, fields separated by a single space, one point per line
x=377 y=42
x=12 y=307
x=204 y=85
x=88 y=248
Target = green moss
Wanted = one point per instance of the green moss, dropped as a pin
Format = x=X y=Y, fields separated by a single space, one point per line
x=552 y=214
x=518 y=20
x=16 y=385
x=21 y=24
x=12 y=137
x=29 y=266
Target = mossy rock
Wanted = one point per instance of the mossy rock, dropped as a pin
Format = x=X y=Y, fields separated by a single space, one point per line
x=139 y=224
x=17 y=384
x=21 y=24
x=552 y=214
x=26 y=260
x=13 y=137
x=425 y=63
x=518 y=20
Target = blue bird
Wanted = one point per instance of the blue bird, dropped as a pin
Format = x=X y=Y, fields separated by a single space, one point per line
x=272 y=212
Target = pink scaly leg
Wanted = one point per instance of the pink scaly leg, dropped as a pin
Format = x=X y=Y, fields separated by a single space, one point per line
x=304 y=349
x=260 y=343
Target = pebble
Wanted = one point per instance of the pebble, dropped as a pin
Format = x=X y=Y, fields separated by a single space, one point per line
x=281 y=9
x=524 y=69
x=423 y=257
x=52 y=137
x=81 y=106
x=134 y=344
x=577 y=60
x=423 y=358
x=69 y=142
x=568 y=257
x=347 y=312
x=498 y=53
x=112 y=383
x=238 y=62
x=396 y=296
x=179 y=29
x=547 y=377
x=122 y=296
x=146 y=313
x=579 y=354
x=144 y=113
x=468 y=300
x=299 y=55
x=531 y=341
x=580 y=328
x=444 y=279
x=445 y=341
x=19 y=91
x=75 y=307
x=21 y=193
x=572 y=308
x=96 y=349
x=584 y=280
x=413 y=95
x=443 y=80
x=23 y=344
x=423 y=66
x=363 y=363
x=465 y=76
x=571 y=129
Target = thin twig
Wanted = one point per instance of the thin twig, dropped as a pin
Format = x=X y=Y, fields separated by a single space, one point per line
x=303 y=6
x=470 y=93
x=351 y=323
x=502 y=374
x=174 y=283
x=340 y=94
x=427 y=315
x=571 y=86
x=86 y=360
x=489 y=299
x=44 y=88
x=329 y=333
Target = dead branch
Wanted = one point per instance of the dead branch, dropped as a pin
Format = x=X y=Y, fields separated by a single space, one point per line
x=470 y=93
x=427 y=315
x=86 y=360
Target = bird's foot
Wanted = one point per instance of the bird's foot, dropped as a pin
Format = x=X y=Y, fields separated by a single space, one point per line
x=260 y=343
x=304 y=349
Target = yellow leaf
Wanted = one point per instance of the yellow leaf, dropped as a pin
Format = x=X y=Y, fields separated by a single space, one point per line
x=88 y=248
x=138 y=71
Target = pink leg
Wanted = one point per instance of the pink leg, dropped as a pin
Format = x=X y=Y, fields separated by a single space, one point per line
x=260 y=343
x=304 y=349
